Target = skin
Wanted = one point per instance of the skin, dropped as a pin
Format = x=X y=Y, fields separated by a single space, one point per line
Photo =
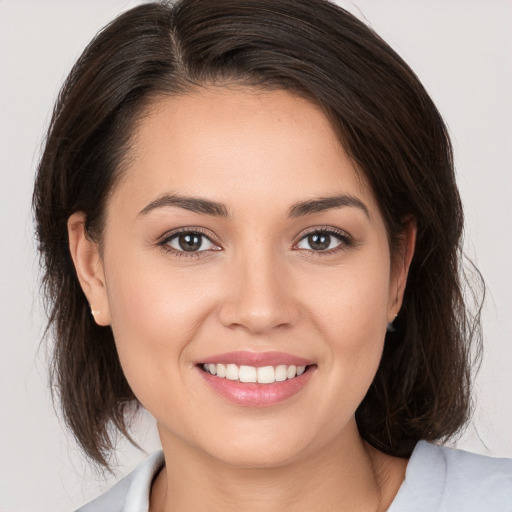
x=258 y=286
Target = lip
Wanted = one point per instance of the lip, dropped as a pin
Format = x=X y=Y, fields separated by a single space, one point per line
x=256 y=359
x=253 y=394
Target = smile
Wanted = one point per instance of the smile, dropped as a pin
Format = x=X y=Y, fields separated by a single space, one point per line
x=260 y=375
x=256 y=386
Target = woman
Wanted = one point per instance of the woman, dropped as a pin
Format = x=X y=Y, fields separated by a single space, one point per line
x=250 y=226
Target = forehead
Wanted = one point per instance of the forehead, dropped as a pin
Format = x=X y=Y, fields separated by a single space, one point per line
x=235 y=142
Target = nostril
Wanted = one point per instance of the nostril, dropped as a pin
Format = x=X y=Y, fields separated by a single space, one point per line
x=256 y=320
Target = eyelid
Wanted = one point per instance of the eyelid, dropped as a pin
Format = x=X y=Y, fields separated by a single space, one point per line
x=345 y=238
x=164 y=240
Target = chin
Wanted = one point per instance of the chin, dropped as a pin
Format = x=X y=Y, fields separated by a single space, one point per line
x=251 y=457
x=253 y=449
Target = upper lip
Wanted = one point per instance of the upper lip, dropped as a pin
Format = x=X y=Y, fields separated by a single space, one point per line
x=246 y=358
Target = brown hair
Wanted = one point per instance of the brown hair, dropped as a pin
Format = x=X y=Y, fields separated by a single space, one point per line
x=387 y=124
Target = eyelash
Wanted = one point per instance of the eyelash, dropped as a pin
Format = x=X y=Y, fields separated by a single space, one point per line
x=346 y=241
x=168 y=237
x=344 y=238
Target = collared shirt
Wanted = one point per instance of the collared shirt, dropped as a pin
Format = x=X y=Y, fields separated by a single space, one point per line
x=437 y=479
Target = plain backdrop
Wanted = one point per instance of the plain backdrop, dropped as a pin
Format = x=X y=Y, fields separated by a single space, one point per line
x=460 y=49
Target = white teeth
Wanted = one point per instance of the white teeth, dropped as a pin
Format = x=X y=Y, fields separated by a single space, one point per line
x=281 y=373
x=221 y=370
x=247 y=374
x=232 y=372
x=260 y=374
x=291 y=371
x=266 y=375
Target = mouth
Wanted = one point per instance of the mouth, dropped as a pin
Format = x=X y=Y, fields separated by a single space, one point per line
x=254 y=374
x=256 y=380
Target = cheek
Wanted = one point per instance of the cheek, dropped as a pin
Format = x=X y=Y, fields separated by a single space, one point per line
x=155 y=298
x=350 y=311
x=354 y=298
x=155 y=314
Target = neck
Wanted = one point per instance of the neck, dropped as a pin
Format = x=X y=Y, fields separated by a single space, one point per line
x=346 y=474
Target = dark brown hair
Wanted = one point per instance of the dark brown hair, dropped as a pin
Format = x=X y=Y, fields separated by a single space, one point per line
x=388 y=125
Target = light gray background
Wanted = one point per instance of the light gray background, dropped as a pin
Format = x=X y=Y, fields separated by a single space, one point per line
x=461 y=51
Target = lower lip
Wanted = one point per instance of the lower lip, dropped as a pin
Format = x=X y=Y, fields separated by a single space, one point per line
x=257 y=395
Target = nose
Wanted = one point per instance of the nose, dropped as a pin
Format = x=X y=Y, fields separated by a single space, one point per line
x=259 y=296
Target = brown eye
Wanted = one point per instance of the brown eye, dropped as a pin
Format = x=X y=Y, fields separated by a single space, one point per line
x=322 y=241
x=319 y=241
x=190 y=242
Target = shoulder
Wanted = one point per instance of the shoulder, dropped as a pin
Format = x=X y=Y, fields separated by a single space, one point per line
x=134 y=489
x=444 y=479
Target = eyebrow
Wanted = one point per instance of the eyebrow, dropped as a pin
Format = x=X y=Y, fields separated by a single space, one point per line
x=209 y=207
x=194 y=204
x=327 y=203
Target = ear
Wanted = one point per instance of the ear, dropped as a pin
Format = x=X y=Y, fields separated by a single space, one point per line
x=86 y=257
x=401 y=261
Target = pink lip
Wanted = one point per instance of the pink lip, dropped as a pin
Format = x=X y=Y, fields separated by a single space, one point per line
x=257 y=395
x=256 y=359
x=252 y=394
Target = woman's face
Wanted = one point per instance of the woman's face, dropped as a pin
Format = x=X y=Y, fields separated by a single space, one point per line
x=240 y=236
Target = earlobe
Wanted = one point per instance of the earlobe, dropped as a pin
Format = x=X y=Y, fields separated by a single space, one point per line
x=86 y=257
x=401 y=266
